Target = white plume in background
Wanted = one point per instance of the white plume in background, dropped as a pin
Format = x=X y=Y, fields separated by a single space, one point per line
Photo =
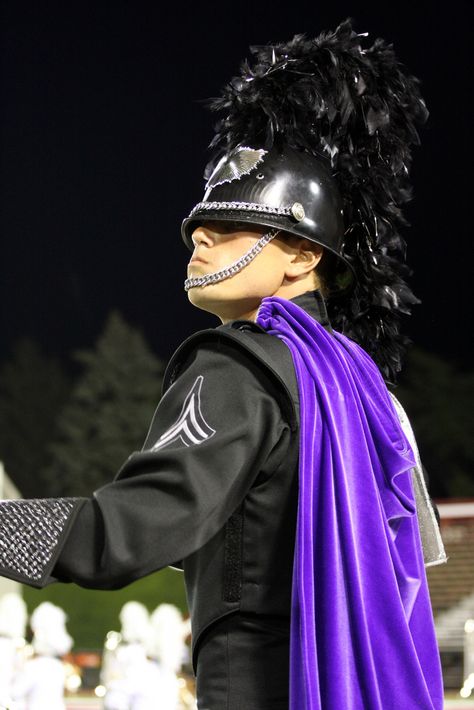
x=50 y=637
x=135 y=621
x=13 y=616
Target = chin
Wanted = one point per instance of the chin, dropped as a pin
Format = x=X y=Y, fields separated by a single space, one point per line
x=201 y=298
x=225 y=309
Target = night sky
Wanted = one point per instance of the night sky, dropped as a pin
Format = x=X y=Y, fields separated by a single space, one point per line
x=104 y=139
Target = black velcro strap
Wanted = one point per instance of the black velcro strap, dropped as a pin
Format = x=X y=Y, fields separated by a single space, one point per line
x=232 y=587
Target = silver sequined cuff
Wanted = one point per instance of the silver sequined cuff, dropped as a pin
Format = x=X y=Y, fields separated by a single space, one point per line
x=30 y=532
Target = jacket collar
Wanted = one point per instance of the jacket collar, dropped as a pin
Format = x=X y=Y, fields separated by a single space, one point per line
x=313 y=303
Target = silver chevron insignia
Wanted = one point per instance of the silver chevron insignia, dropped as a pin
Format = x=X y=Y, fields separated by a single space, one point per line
x=190 y=427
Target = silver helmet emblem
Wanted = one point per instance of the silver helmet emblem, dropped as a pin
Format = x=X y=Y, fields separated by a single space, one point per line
x=232 y=167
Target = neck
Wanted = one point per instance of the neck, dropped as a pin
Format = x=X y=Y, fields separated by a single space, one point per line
x=285 y=291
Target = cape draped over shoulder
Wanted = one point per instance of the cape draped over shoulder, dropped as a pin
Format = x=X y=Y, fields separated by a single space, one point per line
x=362 y=630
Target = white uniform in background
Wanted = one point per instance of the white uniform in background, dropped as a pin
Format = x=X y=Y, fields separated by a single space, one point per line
x=40 y=685
x=167 y=646
x=125 y=667
x=150 y=695
x=13 y=616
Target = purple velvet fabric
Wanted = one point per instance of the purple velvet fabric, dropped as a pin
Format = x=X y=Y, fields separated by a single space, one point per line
x=362 y=631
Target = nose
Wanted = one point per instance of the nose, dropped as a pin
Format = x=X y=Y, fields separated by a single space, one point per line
x=201 y=235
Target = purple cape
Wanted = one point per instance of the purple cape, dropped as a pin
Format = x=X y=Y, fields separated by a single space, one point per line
x=362 y=631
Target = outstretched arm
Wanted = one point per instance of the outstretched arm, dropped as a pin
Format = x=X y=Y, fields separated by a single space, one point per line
x=215 y=430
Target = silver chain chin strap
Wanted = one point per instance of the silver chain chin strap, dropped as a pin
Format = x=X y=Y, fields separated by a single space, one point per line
x=233 y=268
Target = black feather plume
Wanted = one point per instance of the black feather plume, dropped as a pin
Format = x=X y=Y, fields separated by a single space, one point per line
x=359 y=107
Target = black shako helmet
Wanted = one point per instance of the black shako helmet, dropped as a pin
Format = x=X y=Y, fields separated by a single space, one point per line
x=349 y=110
x=282 y=188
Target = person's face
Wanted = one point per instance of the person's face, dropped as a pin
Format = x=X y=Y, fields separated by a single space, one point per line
x=217 y=245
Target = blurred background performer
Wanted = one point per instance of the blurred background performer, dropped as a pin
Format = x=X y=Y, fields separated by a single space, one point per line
x=41 y=682
x=13 y=618
x=124 y=666
x=169 y=632
x=278 y=470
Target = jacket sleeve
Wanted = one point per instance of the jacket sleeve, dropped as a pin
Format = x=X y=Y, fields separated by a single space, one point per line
x=216 y=429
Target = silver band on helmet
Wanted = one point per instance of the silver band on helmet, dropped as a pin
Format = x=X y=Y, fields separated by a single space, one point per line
x=241 y=207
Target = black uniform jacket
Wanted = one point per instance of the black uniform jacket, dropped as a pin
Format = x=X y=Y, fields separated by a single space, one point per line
x=214 y=489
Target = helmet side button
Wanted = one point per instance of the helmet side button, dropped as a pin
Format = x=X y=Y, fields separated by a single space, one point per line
x=297 y=210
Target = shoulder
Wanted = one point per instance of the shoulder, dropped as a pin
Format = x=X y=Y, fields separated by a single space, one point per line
x=240 y=351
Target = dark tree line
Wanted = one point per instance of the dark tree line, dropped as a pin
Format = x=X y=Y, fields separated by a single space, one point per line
x=438 y=397
x=33 y=389
x=59 y=437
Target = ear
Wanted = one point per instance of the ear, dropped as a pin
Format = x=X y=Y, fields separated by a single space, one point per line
x=303 y=258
